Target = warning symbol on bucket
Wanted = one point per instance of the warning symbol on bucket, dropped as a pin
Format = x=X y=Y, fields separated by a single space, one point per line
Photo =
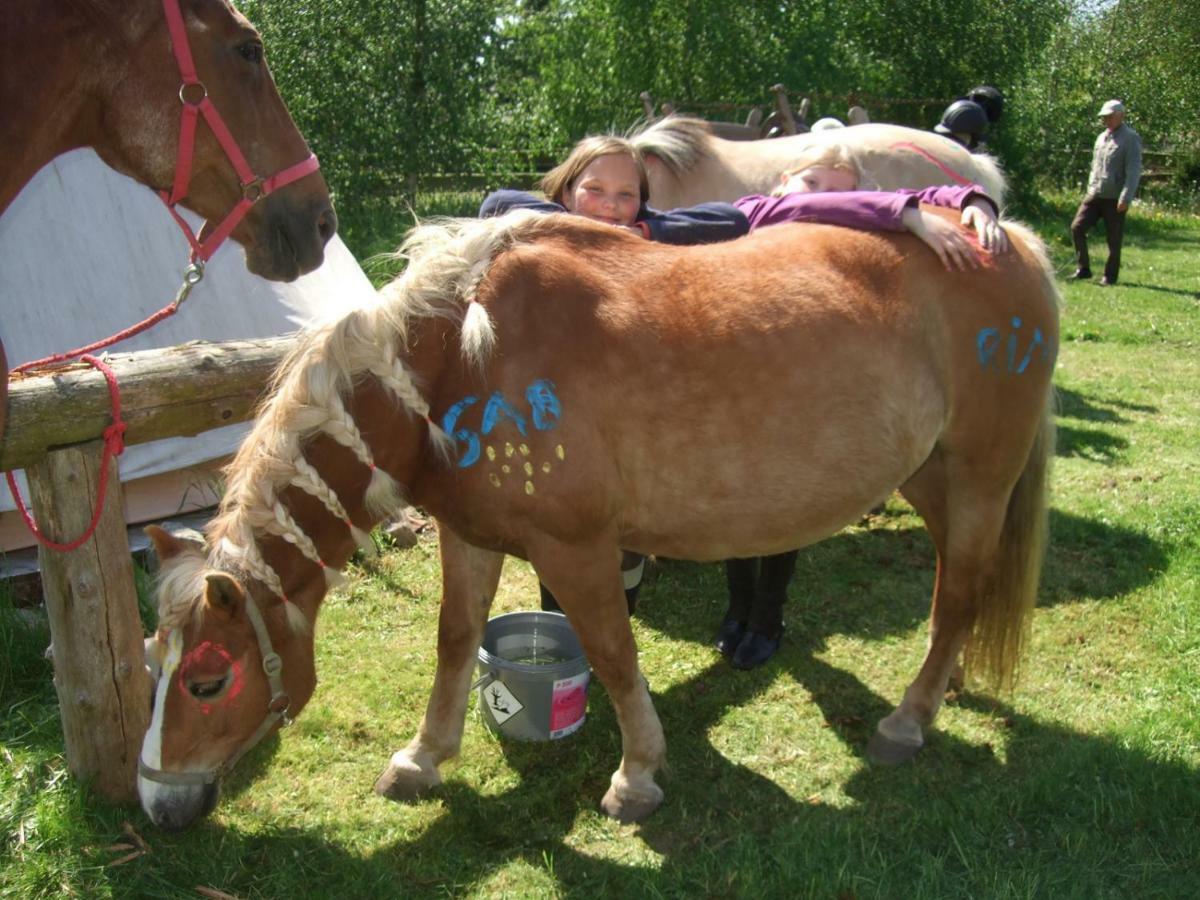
x=501 y=702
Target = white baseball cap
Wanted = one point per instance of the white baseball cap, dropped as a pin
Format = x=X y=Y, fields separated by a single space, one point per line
x=1112 y=106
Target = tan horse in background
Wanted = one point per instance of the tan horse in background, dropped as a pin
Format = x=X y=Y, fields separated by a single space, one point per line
x=687 y=164
x=556 y=389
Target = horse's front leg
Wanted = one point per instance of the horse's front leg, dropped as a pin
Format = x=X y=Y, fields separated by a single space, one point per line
x=469 y=579
x=586 y=580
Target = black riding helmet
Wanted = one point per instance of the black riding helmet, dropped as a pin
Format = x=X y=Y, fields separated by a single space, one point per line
x=963 y=117
x=990 y=99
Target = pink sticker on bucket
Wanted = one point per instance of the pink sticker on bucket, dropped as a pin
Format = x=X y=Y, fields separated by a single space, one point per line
x=568 y=705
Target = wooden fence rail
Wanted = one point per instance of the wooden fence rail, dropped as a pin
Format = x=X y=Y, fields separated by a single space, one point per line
x=54 y=427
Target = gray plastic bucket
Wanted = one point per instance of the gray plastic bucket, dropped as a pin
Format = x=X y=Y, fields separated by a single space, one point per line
x=533 y=677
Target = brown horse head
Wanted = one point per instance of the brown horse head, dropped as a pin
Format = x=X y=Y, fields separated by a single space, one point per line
x=230 y=666
x=110 y=79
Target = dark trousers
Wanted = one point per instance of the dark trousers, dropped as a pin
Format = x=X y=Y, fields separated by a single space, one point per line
x=1091 y=211
x=758 y=590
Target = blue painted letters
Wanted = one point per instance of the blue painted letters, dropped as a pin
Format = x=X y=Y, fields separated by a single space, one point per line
x=545 y=409
x=989 y=340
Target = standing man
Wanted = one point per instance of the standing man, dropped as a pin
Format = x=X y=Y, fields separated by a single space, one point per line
x=1116 y=170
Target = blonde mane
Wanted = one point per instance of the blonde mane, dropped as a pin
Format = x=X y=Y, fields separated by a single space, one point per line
x=446 y=262
x=679 y=141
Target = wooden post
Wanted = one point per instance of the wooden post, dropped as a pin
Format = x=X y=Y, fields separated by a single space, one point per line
x=95 y=629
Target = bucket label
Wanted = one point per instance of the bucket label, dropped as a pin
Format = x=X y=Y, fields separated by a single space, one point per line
x=568 y=705
x=501 y=702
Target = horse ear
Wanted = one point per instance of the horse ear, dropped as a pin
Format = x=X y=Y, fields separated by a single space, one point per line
x=165 y=544
x=223 y=596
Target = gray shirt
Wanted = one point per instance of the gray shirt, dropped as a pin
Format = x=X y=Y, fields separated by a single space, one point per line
x=1116 y=165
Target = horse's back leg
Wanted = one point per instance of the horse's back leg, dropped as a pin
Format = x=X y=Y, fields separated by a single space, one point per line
x=984 y=504
x=469 y=579
x=964 y=516
x=586 y=580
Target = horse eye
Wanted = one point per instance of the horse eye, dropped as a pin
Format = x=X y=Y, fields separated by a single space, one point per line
x=251 y=51
x=207 y=690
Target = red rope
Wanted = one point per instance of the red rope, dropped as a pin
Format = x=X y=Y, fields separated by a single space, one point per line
x=165 y=312
x=114 y=445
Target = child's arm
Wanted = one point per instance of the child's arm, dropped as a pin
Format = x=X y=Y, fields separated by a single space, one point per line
x=707 y=223
x=498 y=203
x=979 y=211
x=868 y=210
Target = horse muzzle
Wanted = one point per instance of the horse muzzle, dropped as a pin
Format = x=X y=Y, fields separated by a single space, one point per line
x=290 y=237
x=175 y=801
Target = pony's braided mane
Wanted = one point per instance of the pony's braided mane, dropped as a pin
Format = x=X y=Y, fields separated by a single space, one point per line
x=679 y=141
x=446 y=261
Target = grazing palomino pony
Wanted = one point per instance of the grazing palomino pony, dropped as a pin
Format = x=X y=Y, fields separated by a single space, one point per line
x=557 y=389
x=687 y=164
x=132 y=79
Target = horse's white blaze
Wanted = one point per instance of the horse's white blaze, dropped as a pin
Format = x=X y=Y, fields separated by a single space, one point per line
x=152 y=744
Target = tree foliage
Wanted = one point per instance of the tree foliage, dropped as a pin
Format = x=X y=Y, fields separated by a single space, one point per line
x=389 y=89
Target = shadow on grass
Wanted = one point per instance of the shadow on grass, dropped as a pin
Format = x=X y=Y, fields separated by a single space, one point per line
x=1053 y=811
x=878 y=583
x=1090 y=443
x=1098 y=409
x=1090 y=560
x=1191 y=295
x=1063 y=809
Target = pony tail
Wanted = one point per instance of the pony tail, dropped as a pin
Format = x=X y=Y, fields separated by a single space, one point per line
x=1003 y=623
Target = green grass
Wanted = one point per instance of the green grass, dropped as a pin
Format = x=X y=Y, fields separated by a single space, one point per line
x=1083 y=783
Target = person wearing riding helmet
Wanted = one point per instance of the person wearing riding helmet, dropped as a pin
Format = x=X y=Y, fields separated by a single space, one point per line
x=990 y=99
x=604 y=179
x=964 y=121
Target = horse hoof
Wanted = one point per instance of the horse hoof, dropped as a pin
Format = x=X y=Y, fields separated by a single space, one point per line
x=404 y=780
x=631 y=806
x=882 y=749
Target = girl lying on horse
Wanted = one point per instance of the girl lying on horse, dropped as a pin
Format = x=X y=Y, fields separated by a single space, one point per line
x=604 y=179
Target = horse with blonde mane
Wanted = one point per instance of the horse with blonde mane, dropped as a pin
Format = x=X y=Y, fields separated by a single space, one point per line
x=687 y=164
x=557 y=389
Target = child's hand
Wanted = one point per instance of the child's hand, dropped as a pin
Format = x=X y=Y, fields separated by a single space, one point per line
x=978 y=216
x=947 y=240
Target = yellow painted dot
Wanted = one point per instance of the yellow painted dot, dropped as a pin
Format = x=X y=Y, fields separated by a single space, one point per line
x=494 y=478
x=506 y=468
x=546 y=468
x=524 y=448
x=491 y=452
x=508 y=449
x=529 y=487
x=528 y=468
x=560 y=452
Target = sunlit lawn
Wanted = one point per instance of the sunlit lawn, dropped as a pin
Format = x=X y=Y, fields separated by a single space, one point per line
x=1084 y=783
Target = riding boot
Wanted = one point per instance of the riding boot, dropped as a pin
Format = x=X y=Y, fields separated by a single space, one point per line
x=741 y=575
x=764 y=628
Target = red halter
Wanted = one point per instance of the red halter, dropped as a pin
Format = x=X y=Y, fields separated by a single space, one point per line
x=254 y=188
